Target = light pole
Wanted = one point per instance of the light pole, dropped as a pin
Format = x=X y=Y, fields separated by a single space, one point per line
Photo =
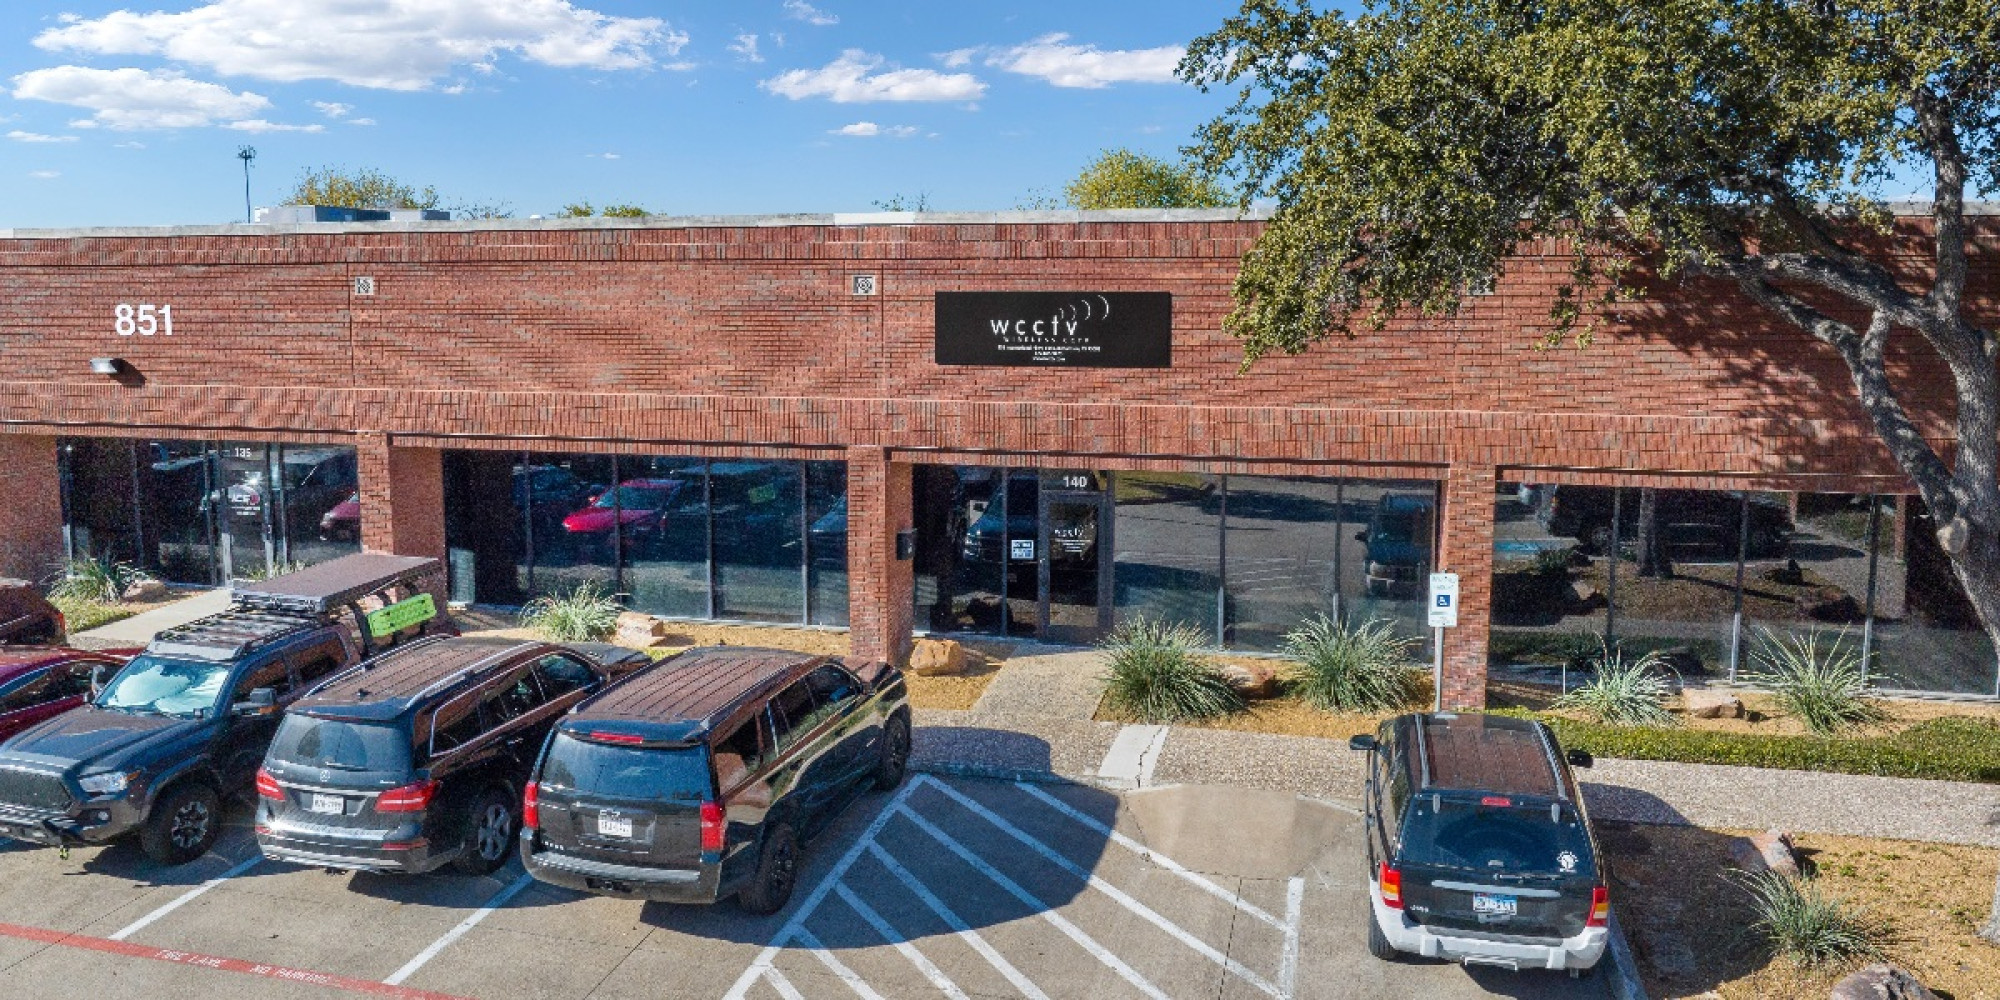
x=246 y=154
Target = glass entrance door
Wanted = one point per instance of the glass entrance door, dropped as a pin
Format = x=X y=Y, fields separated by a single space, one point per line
x=243 y=510
x=1074 y=530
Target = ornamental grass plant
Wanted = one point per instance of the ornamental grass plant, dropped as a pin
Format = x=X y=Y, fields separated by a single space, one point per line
x=100 y=579
x=1806 y=925
x=586 y=614
x=1361 y=669
x=1818 y=680
x=1623 y=692
x=1157 y=674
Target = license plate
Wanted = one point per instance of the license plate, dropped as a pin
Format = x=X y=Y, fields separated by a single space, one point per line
x=331 y=805
x=1494 y=905
x=614 y=826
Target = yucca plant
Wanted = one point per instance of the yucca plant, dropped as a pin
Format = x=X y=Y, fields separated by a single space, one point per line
x=1622 y=692
x=271 y=570
x=1804 y=924
x=1342 y=669
x=94 y=578
x=1822 y=683
x=1157 y=674
x=585 y=614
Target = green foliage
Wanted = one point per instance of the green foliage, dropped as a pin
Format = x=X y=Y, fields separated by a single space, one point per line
x=1821 y=683
x=1342 y=669
x=623 y=211
x=366 y=187
x=1947 y=749
x=585 y=614
x=1623 y=693
x=577 y=210
x=584 y=210
x=1157 y=674
x=1121 y=178
x=1805 y=924
x=94 y=578
x=273 y=569
x=82 y=614
x=1554 y=562
x=899 y=203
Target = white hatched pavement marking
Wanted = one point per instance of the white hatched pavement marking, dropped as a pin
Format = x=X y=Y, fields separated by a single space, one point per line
x=793 y=926
x=1124 y=899
x=184 y=898
x=837 y=967
x=882 y=927
x=952 y=920
x=499 y=900
x=1029 y=899
x=1194 y=878
x=1288 y=963
x=784 y=986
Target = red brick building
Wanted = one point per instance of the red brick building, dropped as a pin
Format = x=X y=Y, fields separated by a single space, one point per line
x=736 y=417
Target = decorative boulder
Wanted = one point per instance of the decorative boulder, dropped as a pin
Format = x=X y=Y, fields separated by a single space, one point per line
x=937 y=658
x=643 y=631
x=1584 y=597
x=146 y=590
x=1767 y=851
x=1881 y=982
x=1250 y=681
x=1704 y=703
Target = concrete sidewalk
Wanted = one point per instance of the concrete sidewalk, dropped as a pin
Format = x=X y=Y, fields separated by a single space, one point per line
x=139 y=629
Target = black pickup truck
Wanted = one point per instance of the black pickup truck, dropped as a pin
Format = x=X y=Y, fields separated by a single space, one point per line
x=187 y=721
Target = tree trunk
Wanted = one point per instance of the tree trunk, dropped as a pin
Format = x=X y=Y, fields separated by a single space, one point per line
x=1652 y=555
x=1978 y=568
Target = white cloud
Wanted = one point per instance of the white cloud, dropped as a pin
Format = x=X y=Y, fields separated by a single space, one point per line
x=45 y=175
x=957 y=58
x=388 y=44
x=137 y=99
x=868 y=129
x=129 y=145
x=850 y=79
x=745 y=47
x=333 y=109
x=603 y=156
x=19 y=136
x=361 y=121
x=1051 y=58
x=800 y=10
x=260 y=125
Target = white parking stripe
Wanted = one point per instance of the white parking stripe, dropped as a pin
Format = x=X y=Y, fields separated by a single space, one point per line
x=837 y=967
x=1194 y=878
x=784 y=986
x=1029 y=899
x=499 y=900
x=1124 y=899
x=889 y=934
x=184 y=898
x=798 y=922
x=965 y=931
x=1288 y=962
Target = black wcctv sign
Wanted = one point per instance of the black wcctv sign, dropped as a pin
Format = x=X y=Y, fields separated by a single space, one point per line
x=1056 y=329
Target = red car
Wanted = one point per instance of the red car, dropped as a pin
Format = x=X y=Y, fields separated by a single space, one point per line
x=641 y=506
x=41 y=682
x=343 y=522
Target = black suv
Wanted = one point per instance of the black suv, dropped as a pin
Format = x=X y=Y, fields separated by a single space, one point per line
x=697 y=779
x=416 y=758
x=186 y=722
x=1479 y=848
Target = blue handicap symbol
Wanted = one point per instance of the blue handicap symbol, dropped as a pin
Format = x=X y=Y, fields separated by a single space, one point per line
x=1444 y=600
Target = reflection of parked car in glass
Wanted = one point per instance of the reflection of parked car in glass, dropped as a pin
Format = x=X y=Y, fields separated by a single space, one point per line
x=315 y=481
x=1693 y=523
x=548 y=492
x=1398 y=537
x=343 y=522
x=829 y=535
x=643 y=509
x=756 y=508
x=1072 y=535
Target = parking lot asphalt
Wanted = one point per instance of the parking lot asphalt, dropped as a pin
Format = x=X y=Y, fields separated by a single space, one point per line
x=948 y=887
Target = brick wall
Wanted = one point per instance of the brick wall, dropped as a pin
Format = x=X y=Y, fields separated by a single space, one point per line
x=31 y=517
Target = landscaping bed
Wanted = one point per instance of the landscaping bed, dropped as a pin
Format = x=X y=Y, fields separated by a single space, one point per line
x=1691 y=929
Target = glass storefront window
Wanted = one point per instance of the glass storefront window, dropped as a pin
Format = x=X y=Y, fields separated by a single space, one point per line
x=1167 y=558
x=664 y=501
x=175 y=480
x=826 y=542
x=575 y=520
x=1675 y=591
x=1549 y=599
x=320 y=501
x=1288 y=547
x=1389 y=549
x=758 y=529
x=1926 y=635
x=486 y=498
x=1806 y=568
x=100 y=504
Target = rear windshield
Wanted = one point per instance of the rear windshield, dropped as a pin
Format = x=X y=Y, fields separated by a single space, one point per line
x=1497 y=835
x=347 y=746
x=627 y=772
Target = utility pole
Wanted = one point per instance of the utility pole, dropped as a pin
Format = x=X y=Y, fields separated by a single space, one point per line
x=246 y=154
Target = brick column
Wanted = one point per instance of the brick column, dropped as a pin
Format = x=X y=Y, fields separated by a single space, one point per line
x=880 y=587
x=402 y=497
x=31 y=518
x=1467 y=549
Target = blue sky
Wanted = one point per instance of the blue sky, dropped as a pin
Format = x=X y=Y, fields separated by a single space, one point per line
x=115 y=115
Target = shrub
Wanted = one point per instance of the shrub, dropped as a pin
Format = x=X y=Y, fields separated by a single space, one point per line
x=1623 y=693
x=1157 y=674
x=1948 y=749
x=1341 y=669
x=1822 y=684
x=94 y=578
x=1804 y=924
x=585 y=614
x=81 y=615
x=1554 y=562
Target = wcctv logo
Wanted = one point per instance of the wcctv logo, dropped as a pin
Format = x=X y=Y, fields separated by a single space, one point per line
x=1066 y=322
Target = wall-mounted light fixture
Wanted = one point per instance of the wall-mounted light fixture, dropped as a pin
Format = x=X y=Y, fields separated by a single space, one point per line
x=107 y=366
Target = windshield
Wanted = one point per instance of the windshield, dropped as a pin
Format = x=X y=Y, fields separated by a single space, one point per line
x=165 y=687
x=347 y=746
x=1395 y=527
x=627 y=772
x=1497 y=836
x=636 y=497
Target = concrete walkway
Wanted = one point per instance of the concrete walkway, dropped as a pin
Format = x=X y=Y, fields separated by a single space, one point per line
x=139 y=629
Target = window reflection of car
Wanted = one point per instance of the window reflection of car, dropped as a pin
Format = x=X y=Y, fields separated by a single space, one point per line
x=643 y=509
x=315 y=481
x=343 y=522
x=1072 y=532
x=1693 y=523
x=1398 y=537
x=756 y=508
x=828 y=535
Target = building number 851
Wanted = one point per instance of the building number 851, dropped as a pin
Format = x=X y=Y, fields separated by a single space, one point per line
x=145 y=320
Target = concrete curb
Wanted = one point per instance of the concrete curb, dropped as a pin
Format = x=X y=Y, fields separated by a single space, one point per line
x=1622 y=978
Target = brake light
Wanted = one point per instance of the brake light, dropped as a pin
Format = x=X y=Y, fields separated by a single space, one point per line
x=1391 y=882
x=409 y=798
x=713 y=824
x=62 y=623
x=531 y=806
x=1600 y=907
x=267 y=786
x=1495 y=800
x=617 y=738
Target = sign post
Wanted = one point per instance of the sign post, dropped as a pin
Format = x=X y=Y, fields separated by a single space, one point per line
x=1443 y=615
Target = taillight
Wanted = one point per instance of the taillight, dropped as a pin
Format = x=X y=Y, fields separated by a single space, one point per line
x=630 y=739
x=409 y=798
x=1600 y=907
x=713 y=824
x=1391 y=882
x=267 y=786
x=531 y=806
x=62 y=623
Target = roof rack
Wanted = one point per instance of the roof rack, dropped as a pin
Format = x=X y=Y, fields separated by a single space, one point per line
x=230 y=634
x=327 y=586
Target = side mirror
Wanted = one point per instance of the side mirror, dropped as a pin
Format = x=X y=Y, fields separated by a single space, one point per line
x=1579 y=758
x=262 y=701
x=1361 y=742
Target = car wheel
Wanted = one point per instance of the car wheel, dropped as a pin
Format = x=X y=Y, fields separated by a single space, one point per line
x=895 y=760
x=183 y=825
x=777 y=872
x=1378 y=942
x=489 y=835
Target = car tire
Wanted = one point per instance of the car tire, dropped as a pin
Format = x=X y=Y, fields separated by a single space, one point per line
x=777 y=873
x=1378 y=942
x=895 y=762
x=489 y=835
x=183 y=824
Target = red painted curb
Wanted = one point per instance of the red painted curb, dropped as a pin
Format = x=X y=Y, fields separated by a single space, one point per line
x=218 y=963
